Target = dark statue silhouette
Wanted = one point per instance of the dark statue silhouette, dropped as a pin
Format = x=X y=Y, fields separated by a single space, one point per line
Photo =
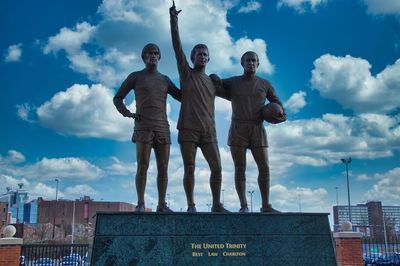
x=247 y=94
x=196 y=123
x=151 y=124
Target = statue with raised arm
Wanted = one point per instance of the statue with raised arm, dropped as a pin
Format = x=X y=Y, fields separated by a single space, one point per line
x=196 y=122
x=151 y=124
x=248 y=94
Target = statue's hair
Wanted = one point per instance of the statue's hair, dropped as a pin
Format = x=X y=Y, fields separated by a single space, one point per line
x=198 y=46
x=246 y=53
x=147 y=48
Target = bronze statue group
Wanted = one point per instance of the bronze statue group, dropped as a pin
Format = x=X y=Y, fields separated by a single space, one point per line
x=196 y=123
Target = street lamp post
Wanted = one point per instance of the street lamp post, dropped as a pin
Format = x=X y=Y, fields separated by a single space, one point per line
x=168 y=200
x=337 y=198
x=384 y=230
x=251 y=199
x=347 y=162
x=208 y=205
x=55 y=207
x=73 y=223
x=299 y=195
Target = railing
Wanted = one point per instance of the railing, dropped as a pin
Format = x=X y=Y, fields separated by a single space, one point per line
x=381 y=251
x=53 y=255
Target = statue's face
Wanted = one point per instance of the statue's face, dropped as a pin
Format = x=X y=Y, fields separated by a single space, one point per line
x=152 y=56
x=250 y=63
x=201 y=57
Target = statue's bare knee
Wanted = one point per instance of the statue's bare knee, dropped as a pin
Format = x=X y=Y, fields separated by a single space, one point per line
x=189 y=170
x=240 y=173
x=162 y=171
x=141 y=171
x=263 y=173
x=216 y=173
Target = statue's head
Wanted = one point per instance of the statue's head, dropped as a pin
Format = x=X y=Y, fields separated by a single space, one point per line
x=149 y=50
x=250 y=61
x=199 y=55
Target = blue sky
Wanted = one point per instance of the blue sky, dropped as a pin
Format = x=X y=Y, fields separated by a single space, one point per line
x=334 y=63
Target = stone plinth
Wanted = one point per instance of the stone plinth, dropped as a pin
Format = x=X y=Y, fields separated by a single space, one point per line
x=212 y=239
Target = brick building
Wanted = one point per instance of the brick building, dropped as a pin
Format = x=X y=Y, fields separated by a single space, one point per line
x=4 y=216
x=85 y=208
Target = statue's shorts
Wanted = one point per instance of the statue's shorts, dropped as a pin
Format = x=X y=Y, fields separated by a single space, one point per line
x=248 y=135
x=197 y=137
x=151 y=137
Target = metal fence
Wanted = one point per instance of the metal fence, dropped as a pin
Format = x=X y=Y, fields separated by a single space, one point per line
x=54 y=254
x=381 y=251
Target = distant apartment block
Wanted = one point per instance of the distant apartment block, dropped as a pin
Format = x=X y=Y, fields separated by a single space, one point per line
x=371 y=218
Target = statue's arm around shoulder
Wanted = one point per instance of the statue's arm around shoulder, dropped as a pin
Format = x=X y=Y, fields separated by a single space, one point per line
x=119 y=97
x=173 y=90
x=221 y=87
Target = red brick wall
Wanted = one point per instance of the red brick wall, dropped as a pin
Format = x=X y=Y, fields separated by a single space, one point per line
x=63 y=210
x=348 y=251
x=4 y=216
x=9 y=255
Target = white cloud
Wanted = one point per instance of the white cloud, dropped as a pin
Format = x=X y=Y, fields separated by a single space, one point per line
x=70 y=168
x=388 y=187
x=301 y=5
x=65 y=168
x=42 y=190
x=311 y=199
x=383 y=7
x=11 y=182
x=24 y=110
x=121 y=10
x=70 y=40
x=333 y=136
x=35 y=177
x=115 y=44
x=348 y=80
x=295 y=102
x=15 y=156
x=35 y=189
x=12 y=157
x=39 y=189
x=79 y=191
x=86 y=112
x=13 y=53
x=363 y=177
x=119 y=167
x=251 y=6
x=109 y=67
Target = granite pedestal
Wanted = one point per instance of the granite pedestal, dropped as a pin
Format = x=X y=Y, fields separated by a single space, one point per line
x=212 y=239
